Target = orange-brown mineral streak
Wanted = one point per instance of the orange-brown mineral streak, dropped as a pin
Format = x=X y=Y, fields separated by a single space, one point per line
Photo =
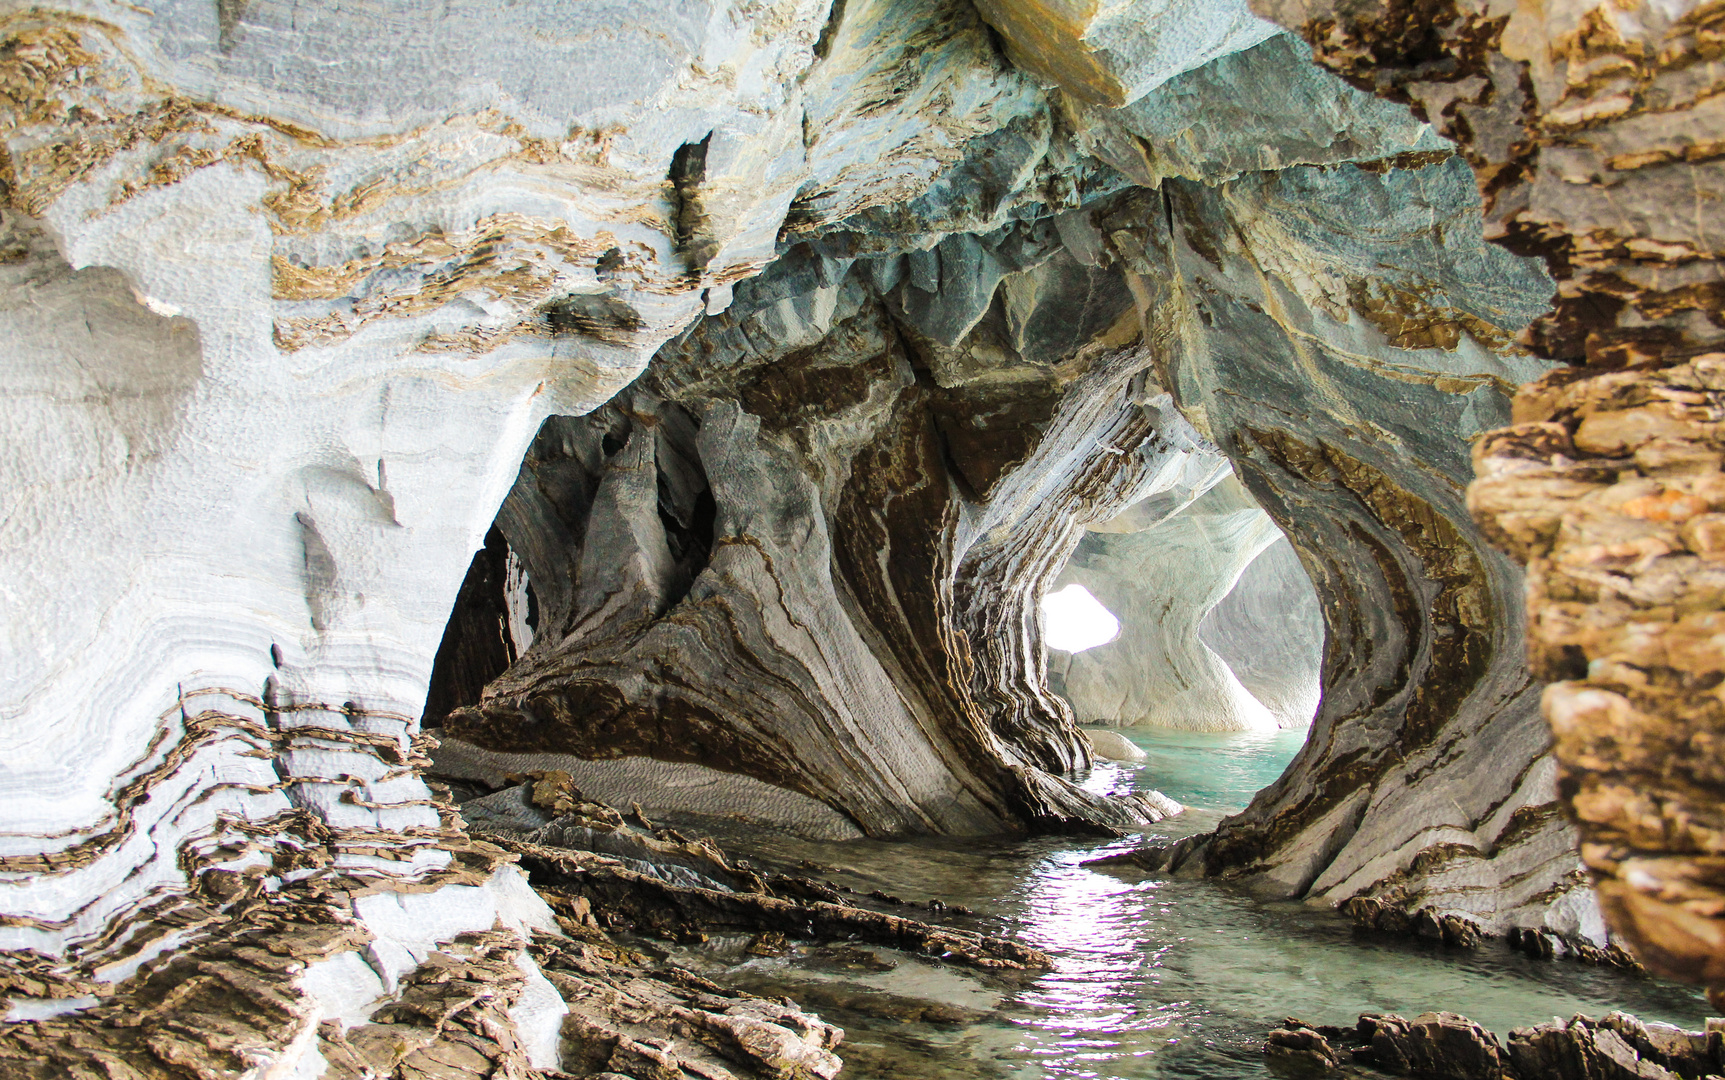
x=1610 y=489
x=1596 y=133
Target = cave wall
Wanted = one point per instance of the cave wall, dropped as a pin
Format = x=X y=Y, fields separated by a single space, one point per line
x=259 y=525
x=1594 y=133
x=1269 y=630
x=1426 y=782
x=1339 y=330
x=290 y=293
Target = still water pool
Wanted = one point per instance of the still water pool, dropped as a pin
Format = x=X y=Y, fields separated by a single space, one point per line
x=1152 y=977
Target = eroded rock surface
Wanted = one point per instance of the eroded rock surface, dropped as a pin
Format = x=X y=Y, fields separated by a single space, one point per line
x=1444 y=1046
x=1610 y=489
x=1425 y=782
x=771 y=612
x=1594 y=130
x=825 y=331
x=288 y=297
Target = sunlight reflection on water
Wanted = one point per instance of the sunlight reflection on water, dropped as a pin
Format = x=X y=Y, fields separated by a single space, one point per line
x=1181 y=978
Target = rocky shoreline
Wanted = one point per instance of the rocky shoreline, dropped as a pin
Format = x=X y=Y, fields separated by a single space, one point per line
x=1444 y=1046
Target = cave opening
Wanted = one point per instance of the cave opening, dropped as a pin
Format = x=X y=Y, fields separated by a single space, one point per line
x=1216 y=626
x=1075 y=620
x=1200 y=674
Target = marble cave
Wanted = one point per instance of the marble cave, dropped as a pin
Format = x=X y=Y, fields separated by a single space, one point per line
x=554 y=539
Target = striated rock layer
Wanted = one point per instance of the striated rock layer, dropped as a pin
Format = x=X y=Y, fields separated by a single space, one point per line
x=1425 y=784
x=1338 y=330
x=802 y=587
x=1441 y=1044
x=1595 y=131
x=1610 y=488
x=288 y=295
x=800 y=344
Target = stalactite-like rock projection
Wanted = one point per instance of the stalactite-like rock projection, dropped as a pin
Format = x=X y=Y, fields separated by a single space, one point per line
x=789 y=348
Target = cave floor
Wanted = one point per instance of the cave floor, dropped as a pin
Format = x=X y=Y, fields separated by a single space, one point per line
x=1152 y=977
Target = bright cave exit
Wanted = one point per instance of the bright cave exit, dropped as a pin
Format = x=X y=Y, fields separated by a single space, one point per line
x=1187 y=637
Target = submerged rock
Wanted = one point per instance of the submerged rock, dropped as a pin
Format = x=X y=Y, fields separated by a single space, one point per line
x=1113 y=746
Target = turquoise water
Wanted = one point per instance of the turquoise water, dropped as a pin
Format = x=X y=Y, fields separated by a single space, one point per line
x=1153 y=977
x=1212 y=769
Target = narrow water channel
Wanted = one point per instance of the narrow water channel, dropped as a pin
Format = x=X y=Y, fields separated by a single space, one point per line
x=1153 y=977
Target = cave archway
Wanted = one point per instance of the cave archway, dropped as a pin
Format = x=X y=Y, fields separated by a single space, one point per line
x=1167 y=579
x=908 y=423
x=901 y=451
x=1208 y=688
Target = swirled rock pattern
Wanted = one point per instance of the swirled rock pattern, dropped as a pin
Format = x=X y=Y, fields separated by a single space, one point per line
x=800 y=344
x=1595 y=131
x=799 y=585
x=288 y=295
x=1341 y=369
x=1310 y=388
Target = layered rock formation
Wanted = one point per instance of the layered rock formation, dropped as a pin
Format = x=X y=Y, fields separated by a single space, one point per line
x=1610 y=488
x=1320 y=356
x=1425 y=783
x=1595 y=134
x=705 y=607
x=291 y=294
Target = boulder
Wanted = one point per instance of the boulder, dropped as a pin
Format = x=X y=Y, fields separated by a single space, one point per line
x=1113 y=746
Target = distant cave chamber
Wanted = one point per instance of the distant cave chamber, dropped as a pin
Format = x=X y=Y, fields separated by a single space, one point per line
x=1219 y=628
